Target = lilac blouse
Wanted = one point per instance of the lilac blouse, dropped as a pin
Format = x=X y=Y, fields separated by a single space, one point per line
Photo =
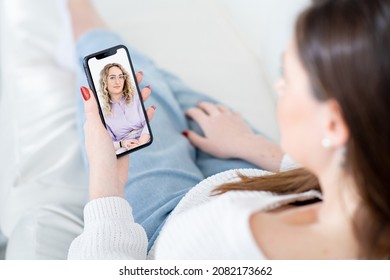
x=127 y=121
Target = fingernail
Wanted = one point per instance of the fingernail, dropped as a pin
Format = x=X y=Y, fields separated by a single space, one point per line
x=149 y=87
x=141 y=72
x=185 y=133
x=154 y=107
x=85 y=93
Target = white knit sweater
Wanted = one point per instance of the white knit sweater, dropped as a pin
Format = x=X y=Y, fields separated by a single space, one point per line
x=200 y=227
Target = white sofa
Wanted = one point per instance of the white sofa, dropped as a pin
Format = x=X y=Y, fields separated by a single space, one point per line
x=229 y=49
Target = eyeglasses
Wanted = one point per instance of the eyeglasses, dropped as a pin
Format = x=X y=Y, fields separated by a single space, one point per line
x=113 y=78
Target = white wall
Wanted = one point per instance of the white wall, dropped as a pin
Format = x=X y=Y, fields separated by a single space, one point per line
x=265 y=26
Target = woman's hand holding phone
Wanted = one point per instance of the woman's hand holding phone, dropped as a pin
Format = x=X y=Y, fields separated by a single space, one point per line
x=108 y=174
x=115 y=84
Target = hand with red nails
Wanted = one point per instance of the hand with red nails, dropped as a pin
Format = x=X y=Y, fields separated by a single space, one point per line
x=108 y=174
x=227 y=135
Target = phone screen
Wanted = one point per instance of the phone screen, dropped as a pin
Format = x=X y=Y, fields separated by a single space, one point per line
x=112 y=79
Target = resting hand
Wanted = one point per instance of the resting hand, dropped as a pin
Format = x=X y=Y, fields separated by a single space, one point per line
x=225 y=132
x=227 y=135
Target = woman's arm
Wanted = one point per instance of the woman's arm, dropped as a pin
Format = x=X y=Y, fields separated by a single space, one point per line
x=109 y=228
x=262 y=152
x=107 y=174
x=227 y=135
x=110 y=231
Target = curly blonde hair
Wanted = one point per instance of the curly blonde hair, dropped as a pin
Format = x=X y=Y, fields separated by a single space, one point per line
x=128 y=88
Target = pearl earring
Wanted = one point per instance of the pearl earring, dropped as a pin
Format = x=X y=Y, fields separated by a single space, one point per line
x=326 y=143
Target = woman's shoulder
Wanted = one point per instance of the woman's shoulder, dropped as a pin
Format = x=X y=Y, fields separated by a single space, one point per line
x=210 y=229
x=203 y=192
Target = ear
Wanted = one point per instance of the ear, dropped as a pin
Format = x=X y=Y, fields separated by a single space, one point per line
x=335 y=128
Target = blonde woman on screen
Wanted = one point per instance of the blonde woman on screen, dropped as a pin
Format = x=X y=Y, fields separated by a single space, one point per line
x=123 y=114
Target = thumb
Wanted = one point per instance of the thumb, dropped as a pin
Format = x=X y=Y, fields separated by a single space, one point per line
x=90 y=106
x=196 y=140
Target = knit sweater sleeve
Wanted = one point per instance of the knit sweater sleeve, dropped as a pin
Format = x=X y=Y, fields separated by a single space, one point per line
x=109 y=232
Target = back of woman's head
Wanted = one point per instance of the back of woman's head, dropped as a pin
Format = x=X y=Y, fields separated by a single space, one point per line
x=345 y=47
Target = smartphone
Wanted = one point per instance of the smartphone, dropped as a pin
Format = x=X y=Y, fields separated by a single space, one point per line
x=111 y=77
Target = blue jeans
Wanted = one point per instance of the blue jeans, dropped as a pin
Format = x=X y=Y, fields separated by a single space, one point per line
x=161 y=174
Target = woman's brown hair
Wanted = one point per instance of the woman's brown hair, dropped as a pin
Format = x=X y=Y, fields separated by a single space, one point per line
x=345 y=47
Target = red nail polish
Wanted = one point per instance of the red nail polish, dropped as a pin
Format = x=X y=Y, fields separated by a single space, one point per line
x=85 y=93
x=185 y=133
x=154 y=107
x=149 y=87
